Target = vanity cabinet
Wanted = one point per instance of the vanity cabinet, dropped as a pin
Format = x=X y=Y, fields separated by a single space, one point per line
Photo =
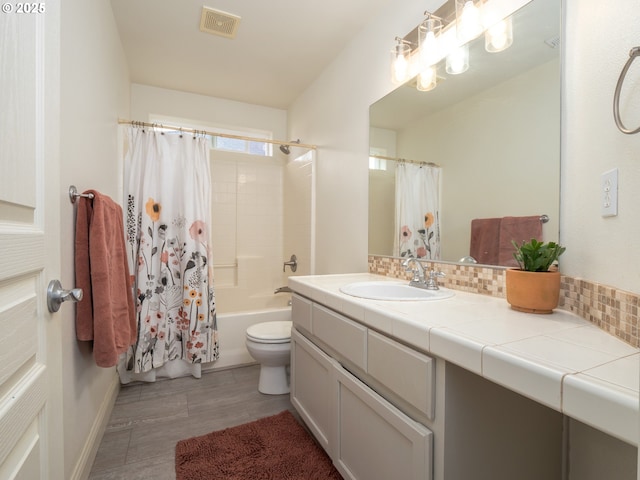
x=367 y=437
x=383 y=410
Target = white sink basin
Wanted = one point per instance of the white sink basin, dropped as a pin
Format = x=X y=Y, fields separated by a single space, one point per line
x=393 y=291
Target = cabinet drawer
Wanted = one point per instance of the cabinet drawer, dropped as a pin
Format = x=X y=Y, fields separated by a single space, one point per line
x=301 y=312
x=404 y=371
x=346 y=337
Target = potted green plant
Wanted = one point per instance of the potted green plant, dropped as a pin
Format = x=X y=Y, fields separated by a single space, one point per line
x=535 y=286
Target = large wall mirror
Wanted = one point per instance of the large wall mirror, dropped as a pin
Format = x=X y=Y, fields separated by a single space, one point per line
x=494 y=131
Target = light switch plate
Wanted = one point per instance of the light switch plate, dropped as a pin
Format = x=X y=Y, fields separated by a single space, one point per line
x=609 y=193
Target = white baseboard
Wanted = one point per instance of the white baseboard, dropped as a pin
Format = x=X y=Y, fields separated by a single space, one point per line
x=83 y=467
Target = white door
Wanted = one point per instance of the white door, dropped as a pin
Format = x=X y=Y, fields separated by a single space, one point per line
x=30 y=373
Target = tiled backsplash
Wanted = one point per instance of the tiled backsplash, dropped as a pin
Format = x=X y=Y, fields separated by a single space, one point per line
x=612 y=310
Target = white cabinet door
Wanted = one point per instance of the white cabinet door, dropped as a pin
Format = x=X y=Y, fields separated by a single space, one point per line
x=374 y=440
x=30 y=354
x=313 y=387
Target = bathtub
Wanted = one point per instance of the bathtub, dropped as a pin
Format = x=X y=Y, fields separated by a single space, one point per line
x=231 y=335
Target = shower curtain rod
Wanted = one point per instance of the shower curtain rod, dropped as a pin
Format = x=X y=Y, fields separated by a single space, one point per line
x=214 y=134
x=400 y=160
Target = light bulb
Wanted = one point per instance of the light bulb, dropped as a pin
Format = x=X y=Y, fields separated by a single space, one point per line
x=429 y=50
x=400 y=62
x=427 y=79
x=498 y=39
x=469 y=23
x=428 y=42
x=499 y=36
x=400 y=67
x=458 y=60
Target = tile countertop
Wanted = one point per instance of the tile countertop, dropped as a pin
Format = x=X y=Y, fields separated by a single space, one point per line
x=559 y=360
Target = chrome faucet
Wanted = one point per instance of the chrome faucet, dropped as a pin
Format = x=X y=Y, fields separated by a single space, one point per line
x=419 y=279
x=418 y=272
x=432 y=282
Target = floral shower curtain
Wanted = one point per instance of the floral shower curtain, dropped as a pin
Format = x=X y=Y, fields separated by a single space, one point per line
x=167 y=216
x=417 y=217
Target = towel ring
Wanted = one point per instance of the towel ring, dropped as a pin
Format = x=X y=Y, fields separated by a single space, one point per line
x=635 y=51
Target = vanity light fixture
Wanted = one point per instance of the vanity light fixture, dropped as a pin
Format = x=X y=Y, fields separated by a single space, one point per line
x=400 y=61
x=447 y=34
x=499 y=36
x=458 y=60
x=468 y=19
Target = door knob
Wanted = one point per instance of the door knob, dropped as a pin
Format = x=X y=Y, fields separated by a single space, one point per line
x=56 y=295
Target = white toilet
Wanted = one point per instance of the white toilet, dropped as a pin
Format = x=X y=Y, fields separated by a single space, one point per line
x=269 y=344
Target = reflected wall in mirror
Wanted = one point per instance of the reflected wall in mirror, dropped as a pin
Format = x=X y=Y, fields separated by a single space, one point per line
x=494 y=130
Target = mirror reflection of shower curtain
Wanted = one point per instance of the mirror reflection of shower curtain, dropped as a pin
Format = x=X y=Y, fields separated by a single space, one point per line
x=168 y=216
x=417 y=215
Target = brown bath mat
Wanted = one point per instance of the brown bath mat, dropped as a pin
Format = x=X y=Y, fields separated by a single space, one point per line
x=275 y=447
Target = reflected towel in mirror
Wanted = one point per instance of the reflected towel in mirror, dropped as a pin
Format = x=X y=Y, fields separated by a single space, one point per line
x=491 y=238
x=485 y=234
x=520 y=229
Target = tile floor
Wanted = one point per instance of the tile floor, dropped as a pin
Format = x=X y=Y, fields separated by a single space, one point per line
x=148 y=419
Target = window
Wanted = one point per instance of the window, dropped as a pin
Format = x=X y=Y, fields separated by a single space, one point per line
x=243 y=145
x=377 y=163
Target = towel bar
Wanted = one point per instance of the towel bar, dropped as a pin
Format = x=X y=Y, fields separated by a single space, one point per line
x=74 y=195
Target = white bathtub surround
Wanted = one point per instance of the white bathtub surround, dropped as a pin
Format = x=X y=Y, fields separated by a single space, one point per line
x=250 y=285
x=247 y=229
x=560 y=360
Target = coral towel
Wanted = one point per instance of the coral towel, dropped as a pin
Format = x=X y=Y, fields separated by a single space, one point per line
x=106 y=313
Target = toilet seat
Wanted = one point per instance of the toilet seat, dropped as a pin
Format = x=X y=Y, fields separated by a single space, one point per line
x=270 y=332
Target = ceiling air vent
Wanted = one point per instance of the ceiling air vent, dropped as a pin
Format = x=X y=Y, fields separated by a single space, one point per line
x=553 y=42
x=219 y=23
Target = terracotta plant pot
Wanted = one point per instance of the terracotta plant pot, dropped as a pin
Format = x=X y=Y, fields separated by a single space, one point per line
x=532 y=292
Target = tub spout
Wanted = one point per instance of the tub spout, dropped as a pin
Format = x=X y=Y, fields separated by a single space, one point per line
x=283 y=290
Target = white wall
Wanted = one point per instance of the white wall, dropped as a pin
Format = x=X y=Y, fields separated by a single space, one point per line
x=94 y=93
x=600 y=249
x=147 y=101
